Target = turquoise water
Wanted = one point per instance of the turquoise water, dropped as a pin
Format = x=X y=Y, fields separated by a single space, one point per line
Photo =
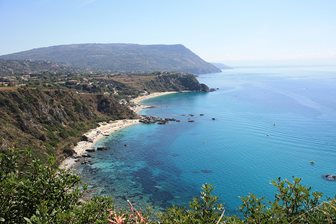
x=269 y=123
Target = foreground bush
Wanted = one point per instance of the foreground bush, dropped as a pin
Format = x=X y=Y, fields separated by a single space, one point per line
x=204 y=209
x=35 y=192
x=293 y=203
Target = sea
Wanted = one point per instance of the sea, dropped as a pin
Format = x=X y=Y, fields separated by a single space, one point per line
x=260 y=124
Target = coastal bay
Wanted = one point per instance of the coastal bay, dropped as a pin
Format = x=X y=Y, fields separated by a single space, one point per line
x=267 y=125
x=107 y=128
x=148 y=112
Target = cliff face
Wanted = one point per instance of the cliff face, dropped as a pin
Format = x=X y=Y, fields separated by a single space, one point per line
x=48 y=121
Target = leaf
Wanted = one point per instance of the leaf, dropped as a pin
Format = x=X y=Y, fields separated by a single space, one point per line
x=27 y=220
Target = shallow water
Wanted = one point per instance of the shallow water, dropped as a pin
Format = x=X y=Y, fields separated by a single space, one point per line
x=269 y=123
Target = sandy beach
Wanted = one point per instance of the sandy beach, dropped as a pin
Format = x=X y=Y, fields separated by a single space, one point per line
x=137 y=101
x=107 y=128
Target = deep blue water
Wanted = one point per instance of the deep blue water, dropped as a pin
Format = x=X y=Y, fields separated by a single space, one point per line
x=269 y=123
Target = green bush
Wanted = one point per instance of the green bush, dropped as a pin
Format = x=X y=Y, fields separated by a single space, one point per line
x=204 y=209
x=293 y=203
x=31 y=191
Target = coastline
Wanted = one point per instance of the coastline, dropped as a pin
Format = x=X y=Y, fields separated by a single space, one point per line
x=137 y=101
x=107 y=128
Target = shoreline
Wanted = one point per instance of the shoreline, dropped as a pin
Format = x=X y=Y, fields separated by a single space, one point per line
x=137 y=101
x=105 y=129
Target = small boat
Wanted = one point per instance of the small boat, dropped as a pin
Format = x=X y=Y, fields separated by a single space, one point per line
x=330 y=177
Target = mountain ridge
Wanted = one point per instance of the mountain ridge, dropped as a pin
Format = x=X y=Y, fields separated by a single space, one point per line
x=120 y=57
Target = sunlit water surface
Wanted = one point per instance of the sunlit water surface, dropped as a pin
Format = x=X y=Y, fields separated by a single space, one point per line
x=269 y=123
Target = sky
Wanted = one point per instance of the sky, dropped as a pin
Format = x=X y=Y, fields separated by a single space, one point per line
x=235 y=32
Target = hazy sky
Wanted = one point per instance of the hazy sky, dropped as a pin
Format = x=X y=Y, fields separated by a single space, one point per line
x=230 y=31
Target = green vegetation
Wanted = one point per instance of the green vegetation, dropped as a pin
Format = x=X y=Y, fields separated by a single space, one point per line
x=52 y=120
x=162 y=81
x=120 y=58
x=12 y=67
x=50 y=112
x=36 y=192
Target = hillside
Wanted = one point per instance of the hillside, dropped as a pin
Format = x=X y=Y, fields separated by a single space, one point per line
x=120 y=57
x=49 y=114
x=160 y=82
x=15 y=67
x=221 y=65
x=43 y=118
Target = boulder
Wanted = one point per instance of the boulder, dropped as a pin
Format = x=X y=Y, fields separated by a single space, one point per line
x=90 y=150
x=69 y=152
x=101 y=148
x=85 y=138
x=86 y=155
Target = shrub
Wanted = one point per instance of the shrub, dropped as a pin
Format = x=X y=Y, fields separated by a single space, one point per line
x=31 y=191
x=293 y=203
x=202 y=209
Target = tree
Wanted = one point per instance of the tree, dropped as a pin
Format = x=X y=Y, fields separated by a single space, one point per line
x=293 y=203
x=202 y=209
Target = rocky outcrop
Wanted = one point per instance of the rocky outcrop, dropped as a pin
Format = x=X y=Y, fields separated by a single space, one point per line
x=156 y=120
x=178 y=82
x=163 y=81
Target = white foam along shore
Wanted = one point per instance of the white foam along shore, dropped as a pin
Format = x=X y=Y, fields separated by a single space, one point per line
x=107 y=128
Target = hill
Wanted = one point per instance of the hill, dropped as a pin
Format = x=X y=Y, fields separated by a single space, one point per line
x=17 y=67
x=120 y=57
x=44 y=119
x=221 y=66
x=50 y=113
